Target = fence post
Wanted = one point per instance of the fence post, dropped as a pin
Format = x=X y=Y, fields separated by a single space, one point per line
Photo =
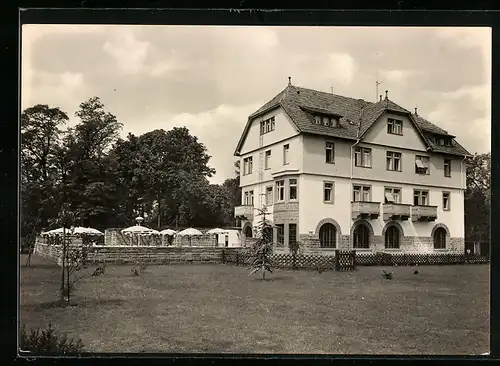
x=223 y=257
x=237 y=258
x=353 y=259
x=337 y=260
x=294 y=258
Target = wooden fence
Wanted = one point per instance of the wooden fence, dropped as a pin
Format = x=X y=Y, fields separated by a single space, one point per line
x=349 y=260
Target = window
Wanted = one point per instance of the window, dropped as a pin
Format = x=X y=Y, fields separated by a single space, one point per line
x=292 y=235
x=334 y=122
x=269 y=195
x=392 y=237
x=292 y=189
x=440 y=238
x=394 y=126
x=393 y=161
x=247 y=165
x=421 y=164
x=330 y=153
x=280 y=190
x=285 y=153
x=420 y=198
x=328 y=236
x=317 y=120
x=267 y=125
x=363 y=157
x=280 y=231
x=361 y=193
x=267 y=160
x=361 y=237
x=446 y=201
x=326 y=121
x=328 y=192
x=447 y=167
x=248 y=232
x=392 y=195
x=248 y=198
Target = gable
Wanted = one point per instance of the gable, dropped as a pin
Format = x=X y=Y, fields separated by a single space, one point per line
x=283 y=129
x=409 y=139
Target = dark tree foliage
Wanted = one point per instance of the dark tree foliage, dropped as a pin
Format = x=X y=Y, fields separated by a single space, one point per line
x=106 y=181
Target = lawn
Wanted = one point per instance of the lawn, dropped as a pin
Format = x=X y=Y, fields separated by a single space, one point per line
x=220 y=309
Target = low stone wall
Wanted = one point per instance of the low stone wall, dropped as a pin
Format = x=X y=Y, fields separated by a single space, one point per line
x=408 y=244
x=149 y=254
x=51 y=252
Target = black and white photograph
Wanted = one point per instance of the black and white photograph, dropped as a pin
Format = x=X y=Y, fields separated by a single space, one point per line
x=262 y=190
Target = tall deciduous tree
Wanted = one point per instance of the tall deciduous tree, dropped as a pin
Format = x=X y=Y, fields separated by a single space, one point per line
x=40 y=136
x=478 y=197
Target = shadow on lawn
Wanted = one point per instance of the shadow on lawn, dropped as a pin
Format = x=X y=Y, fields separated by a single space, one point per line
x=88 y=303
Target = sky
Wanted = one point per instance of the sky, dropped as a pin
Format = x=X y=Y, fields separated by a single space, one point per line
x=210 y=79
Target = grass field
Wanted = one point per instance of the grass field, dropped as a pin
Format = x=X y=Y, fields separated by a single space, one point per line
x=220 y=309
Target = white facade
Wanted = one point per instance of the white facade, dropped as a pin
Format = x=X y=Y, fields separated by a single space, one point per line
x=306 y=162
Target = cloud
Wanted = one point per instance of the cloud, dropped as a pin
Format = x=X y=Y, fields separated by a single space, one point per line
x=212 y=78
x=218 y=129
x=128 y=52
x=343 y=66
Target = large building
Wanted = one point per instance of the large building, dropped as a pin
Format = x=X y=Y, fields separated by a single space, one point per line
x=343 y=173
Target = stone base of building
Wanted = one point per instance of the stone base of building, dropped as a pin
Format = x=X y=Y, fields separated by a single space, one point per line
x=409 y=244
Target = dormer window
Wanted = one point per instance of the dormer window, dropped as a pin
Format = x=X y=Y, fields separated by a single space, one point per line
x=394 y=126
x=327 y=121
x=267 y=125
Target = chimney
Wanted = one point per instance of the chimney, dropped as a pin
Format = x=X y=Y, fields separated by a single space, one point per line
x=380 y=97
x=289 y=80
x=416 y=114
x=386 y=97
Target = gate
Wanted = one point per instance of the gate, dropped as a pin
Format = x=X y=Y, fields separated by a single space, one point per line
x=345 y=260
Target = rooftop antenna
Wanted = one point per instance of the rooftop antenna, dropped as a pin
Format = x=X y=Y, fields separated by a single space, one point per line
x=377 y=82
x=289 y=80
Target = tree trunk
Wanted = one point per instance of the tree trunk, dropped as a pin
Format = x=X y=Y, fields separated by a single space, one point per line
x=159 y=213
x=63 y=264
x=263 y=271
x=67 y=276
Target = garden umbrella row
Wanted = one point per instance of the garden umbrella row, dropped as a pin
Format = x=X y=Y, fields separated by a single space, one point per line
x=79 y=230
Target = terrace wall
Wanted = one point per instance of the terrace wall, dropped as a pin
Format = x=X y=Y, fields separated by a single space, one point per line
x=149 y=254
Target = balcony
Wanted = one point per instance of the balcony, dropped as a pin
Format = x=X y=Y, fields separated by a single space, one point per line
x=396 y=211
x=365 y=210
x=423 y=213
x=243 y=212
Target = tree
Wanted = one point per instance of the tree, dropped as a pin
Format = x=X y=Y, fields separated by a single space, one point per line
x=478 y=197
x=165 y=173
x=40 y=136
x=88 y=175
x=260 y=259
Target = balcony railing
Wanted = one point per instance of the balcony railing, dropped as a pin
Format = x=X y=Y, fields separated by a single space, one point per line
x=365 y=210
x=423 y=213
x=396 y=211
x=244 y=212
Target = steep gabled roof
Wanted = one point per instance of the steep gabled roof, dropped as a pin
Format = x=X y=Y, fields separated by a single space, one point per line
x=357 y=116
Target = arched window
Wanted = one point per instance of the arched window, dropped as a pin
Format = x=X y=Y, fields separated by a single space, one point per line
x=248 y=232
x=361 y=237
x=328 y=236
x=392 y=235
x=440 y=238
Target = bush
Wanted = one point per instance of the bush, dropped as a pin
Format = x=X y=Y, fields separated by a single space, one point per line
x=45 y=341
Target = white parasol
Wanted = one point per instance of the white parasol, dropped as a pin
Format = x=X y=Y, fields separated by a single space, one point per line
x=168 y=232
x=217 y=231
x=190 y=232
